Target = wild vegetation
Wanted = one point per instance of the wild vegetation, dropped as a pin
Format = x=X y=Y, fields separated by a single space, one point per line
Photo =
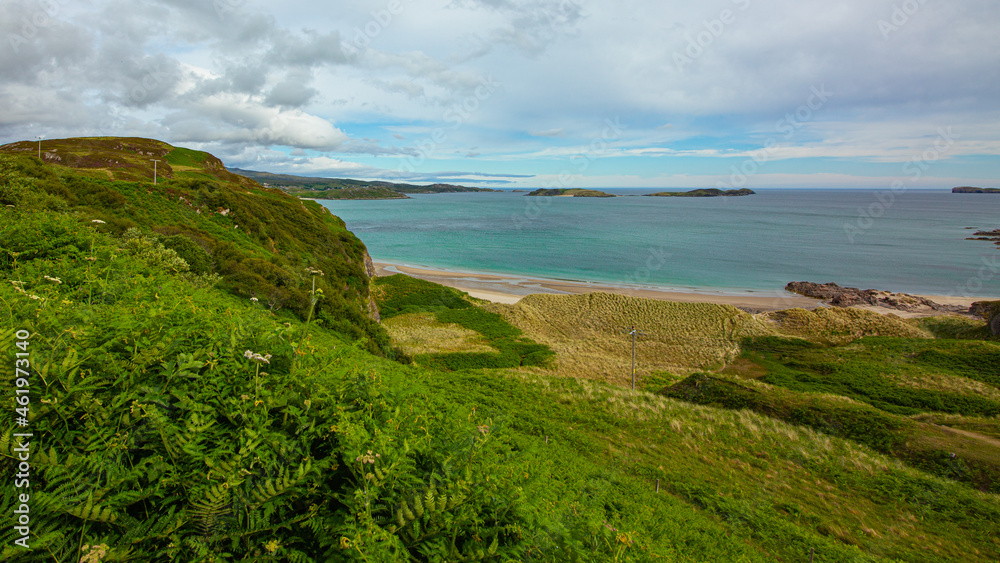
x=176 y=416
x=506 y=347
x=259 y=241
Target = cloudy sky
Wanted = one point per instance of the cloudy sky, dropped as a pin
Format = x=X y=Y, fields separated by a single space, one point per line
x=526 y=93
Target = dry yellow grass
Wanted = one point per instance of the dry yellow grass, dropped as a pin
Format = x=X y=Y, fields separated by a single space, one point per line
x=947 y=383
x=586 y=332
x=837 y=325
x=421 y=333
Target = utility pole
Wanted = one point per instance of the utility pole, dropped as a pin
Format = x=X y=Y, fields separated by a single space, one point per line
x=154 y=171
x=39 y=147
x=633 y=331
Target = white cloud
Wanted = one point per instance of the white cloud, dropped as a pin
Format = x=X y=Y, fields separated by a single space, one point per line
x=248 y=76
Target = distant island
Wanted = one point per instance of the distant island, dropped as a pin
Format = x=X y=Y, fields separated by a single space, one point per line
x=706 y=192
x=570 y=192
x=971 y=190
x=342 y=188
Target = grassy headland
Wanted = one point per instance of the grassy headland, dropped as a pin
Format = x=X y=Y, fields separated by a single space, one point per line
x=706 y=192
x=181 y=413
x=569 y=192
x=973 y=190
x=341 y=188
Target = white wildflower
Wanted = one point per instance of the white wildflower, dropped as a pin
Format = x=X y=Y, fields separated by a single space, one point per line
x=314 y=271
x=53 y=280
x=98 y=221
x=266 y=359
x=254 y=299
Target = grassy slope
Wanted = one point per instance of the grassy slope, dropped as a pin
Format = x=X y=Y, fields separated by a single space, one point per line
x=784 y=483
x=128 y=158
x=261 y=241
x=163 y=441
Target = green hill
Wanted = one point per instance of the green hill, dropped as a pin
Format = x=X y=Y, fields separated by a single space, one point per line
x=260 y=241
x=196 y=391
x=341 y=188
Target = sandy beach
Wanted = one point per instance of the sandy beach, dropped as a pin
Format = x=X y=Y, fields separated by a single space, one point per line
x=511 y=288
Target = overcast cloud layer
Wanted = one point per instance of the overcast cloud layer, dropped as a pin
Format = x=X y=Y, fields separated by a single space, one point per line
x=636 y=93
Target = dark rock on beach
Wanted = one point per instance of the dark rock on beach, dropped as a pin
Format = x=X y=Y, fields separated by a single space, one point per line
x=852 y=296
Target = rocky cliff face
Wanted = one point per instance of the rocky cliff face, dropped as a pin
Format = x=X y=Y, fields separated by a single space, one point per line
x=373 y=311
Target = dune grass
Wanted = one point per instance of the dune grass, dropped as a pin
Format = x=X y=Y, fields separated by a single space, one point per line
x=839 y=325
x=588 y=332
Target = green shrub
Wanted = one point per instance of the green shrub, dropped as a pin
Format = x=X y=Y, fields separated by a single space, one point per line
x=191 y=252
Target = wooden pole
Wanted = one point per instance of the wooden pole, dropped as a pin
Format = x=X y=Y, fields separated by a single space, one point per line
x=633 y=358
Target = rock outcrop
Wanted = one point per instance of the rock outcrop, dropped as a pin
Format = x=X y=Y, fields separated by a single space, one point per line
x=990 y=311
x=852 y=296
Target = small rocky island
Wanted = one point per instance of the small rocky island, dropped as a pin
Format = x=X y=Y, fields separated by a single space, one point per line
x=706 y=192
x=570 y=192
x=971 y=190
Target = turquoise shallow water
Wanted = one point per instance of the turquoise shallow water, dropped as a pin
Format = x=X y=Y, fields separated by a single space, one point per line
x=913 y=243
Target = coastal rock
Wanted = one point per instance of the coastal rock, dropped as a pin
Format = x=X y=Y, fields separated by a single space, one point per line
x=993 y=236
x=373 y=312
x=852 y=296
x=369 y=265
x=990 y=311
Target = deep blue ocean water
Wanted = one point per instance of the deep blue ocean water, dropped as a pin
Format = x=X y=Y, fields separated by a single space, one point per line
x=911 y=242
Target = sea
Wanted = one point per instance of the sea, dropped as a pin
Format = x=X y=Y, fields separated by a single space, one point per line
x=913 y=241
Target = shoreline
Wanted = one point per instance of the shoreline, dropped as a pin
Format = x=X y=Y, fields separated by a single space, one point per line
x=510 y=288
